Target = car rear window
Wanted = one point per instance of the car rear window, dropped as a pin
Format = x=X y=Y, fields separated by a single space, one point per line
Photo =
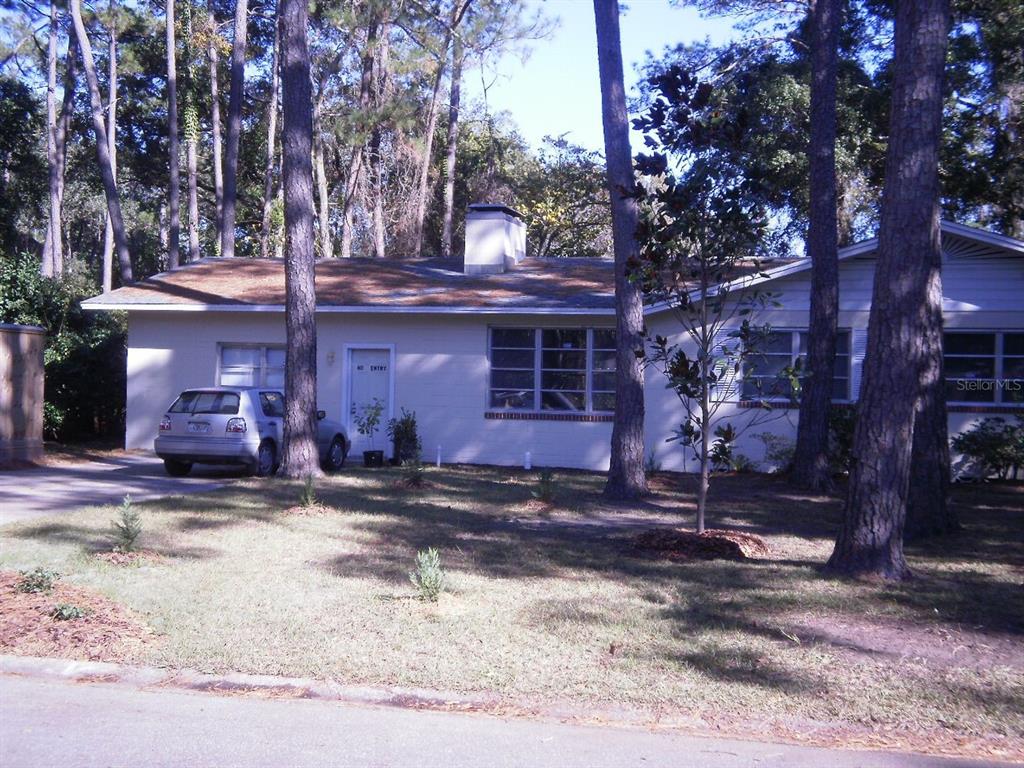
x=206 y=402
x=272 y=404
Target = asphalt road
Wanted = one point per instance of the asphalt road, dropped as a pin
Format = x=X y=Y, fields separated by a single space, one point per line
x=81 y=725
x=31 y=493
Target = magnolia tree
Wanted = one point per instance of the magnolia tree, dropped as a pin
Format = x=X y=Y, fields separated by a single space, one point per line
x=704 y=236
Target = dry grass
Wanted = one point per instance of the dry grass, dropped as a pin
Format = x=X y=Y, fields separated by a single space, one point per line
x=557 y=604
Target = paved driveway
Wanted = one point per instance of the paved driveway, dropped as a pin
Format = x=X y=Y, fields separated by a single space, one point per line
x=29 y=493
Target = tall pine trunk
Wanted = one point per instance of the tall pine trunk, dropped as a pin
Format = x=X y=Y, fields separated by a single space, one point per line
x=108 y=230
x=64 y=124
x=215 y=129
x=229 y=206
x=301 y=457
x=810 y=461
x=268 y=174
x=870 y=542
x=353 y=181
x=53 y=257
x=102 y=147
x=423 y=177
x=928 y=509
x=626 y=477
x=451 y=152
x=374 y=156
x=174 y=150
x=190 y=123
x=323 y=193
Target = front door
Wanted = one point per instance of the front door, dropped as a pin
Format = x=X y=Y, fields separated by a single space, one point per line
x=369 y=379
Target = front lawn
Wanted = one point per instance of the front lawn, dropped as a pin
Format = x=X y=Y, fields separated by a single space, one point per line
x=557 y=606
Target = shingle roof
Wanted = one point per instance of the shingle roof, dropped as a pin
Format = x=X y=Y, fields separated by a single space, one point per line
x=435 y=283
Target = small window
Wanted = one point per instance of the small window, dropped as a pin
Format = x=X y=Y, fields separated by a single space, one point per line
x=970 y=362
x=513 y=358
x=251 y=366
x=764 y=373
x=272 y=404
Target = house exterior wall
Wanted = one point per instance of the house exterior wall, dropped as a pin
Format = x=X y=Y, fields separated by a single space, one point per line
x=441 y=367
x=21 y=392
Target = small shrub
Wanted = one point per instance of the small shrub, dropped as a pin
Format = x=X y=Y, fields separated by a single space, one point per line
x=412 y=472
x=841 y=423
x=308 y=497
x=994 y=446
x=546 y=486
x=721 y=453
x=36 y=581
x=68 y=612
x=651 y=465
x=405 y=437
x=742 y=463
x=778 y=451
x=368 y=420
x=429 y=577
x=127 y=527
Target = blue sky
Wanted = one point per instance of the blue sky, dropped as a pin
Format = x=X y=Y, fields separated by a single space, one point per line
x=556 y=90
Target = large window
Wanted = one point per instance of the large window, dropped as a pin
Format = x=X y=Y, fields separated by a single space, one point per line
x=764 y=373
x=984 y=367
x=251 y=366
x=553 y=369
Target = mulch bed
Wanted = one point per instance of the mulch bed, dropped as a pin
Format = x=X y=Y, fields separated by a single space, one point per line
x=680 y=544
x=313 y=510
x=107 y=632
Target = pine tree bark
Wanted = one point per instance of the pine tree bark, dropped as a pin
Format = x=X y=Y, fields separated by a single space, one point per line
x=173 y=147
x=108 y=230
x=323 y=194
x=423 y=178
x=64 y=125
x=230 y=204
x=626 y=477
x=301 y=457
x=928 y=510
x=53 y=257
x=215 y=129
x=374 y=158
x=102 y=147
x=870 y=542
x=451 y=152
x=810 y=461
x=353 y=181
x=268 y=174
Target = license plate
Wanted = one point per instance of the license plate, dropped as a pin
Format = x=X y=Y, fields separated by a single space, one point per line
x=199 y=427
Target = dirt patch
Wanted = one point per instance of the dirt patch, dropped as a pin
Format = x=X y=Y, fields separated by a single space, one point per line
x=942 y=645
x=680 y=544
x=106 y=631
x=130 y=558
x=311 y=510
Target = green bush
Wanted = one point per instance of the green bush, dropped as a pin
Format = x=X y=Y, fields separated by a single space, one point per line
x=429 y=577
x=651 y=465
x=308 y=497
x=127 y=527
x=38 y=580
x=841 y=423
x=546 y=487
x=405 y=438
x=995 y=446
x=68 y=612
x=778 y=451
x=80 y=346
x=412 y=472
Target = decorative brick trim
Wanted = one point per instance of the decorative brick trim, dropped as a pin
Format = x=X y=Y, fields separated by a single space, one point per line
x=545 y=416
x=988 y=408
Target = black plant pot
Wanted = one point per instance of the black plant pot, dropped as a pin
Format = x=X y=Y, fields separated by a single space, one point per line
x=373 y=458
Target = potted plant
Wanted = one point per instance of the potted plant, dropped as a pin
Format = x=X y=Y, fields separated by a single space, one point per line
x=368 y=424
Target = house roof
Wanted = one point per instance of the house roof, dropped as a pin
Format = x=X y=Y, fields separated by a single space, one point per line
x=534 y=286
x=423 y=285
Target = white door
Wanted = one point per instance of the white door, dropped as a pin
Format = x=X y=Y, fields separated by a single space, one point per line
x=369 y=378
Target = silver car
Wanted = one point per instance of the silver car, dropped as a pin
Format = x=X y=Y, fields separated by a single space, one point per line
x=236 y=425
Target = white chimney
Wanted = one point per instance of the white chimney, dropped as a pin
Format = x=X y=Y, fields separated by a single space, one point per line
x=495 y=239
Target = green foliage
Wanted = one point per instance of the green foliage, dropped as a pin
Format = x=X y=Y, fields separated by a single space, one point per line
x=546 y=487
x=80 y=346
x=308 y=497
x=126 y=528
x=368 y=419
x=24 y=185
x=68 y=612
x=994 y=446
x=38 y=580
x=778 y=451
x=841 y=423
x=413 y=472
x=405 y=438
x=429 y=577
x=651 y=464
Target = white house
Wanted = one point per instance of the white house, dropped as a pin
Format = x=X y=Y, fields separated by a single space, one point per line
x=500 y=355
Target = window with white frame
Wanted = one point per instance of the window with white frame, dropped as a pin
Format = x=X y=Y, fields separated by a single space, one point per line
x=552 y=369
x=251 y=366
x=765 y=373
x=984 y=367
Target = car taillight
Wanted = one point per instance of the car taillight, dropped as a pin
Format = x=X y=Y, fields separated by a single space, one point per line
x=236 y=425
x=165 y=424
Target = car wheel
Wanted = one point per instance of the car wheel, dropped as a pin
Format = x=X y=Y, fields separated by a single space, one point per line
x=177 y=468
x=335 y=455
x=266 y=459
